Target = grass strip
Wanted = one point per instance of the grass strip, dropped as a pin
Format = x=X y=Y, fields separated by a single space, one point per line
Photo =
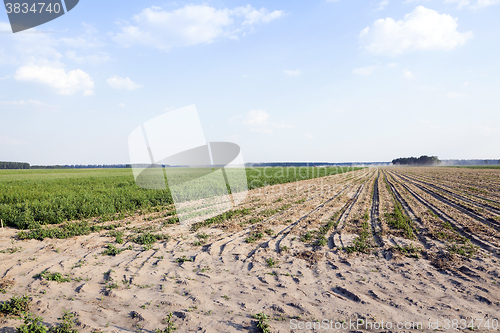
x=221 y=218
x=397 y=218
x=362 y=242
x=67 y=230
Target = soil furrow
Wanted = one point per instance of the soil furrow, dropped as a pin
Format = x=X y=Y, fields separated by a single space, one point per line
x=474 y=239
x=336 y=235
x=409 y=212
x=463 y=209
x=487 y=207
x=374 y=213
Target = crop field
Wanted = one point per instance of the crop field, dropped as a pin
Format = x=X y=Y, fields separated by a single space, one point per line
x=481 y=167
x=394 y=243
x=29 y=198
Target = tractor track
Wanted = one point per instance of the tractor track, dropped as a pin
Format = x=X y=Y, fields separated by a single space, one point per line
x=442 y=181
x=374 y=213
x=342 y=209
x=276 y=240
x=487 y=207
x=467 y=211
x=218 y=246
x=282 y=234
x=335 y=238
x=485 y=245
x=408 y=211
x=227 y=244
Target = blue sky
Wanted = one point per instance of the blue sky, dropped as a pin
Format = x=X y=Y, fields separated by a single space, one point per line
x=333 y=81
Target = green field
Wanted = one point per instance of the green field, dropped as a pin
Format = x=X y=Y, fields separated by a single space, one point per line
x=479 y=167
x=30 y=198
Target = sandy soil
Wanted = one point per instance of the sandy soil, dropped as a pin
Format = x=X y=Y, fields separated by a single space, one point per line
x=229 y=279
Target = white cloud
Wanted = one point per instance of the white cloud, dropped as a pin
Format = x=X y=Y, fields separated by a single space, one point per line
x=121 y=105
x=460 y=3
x=191 y=25
x=364 y=70
x=486 y=3
x=382 y=4
x=253 y=16
x=332 y=0
x=5 y=27
x=89 y=38
x=479 y=4
x=295 y=72
x=256 y=117
x=65 y=83
x=422 y=29
x=35 y=48
x=258 y=120
x=407 y=74
x=117 y=82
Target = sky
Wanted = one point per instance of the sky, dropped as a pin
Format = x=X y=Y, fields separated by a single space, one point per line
x=333 y=81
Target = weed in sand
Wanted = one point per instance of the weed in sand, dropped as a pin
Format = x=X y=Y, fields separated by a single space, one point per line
x=16 y=305
x=262 y=322
x=254 y=237
x=271 y=262
x=111 y=250
x=170 y=325
x=32 y=324
x=58 y=277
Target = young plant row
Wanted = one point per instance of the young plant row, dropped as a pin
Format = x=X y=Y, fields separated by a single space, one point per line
x=20 y=307
x=29 y=198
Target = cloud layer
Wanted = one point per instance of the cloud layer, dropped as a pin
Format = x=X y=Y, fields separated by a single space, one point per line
x=117 y=82
x=191 y=25
x=422 y=29
x=476 y=5
x=64 y=83
x=295 y=72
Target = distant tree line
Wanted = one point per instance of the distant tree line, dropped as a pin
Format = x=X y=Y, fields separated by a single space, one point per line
x=82 y=166
x=19 y=165
x=422 y=160
x=14 y=165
